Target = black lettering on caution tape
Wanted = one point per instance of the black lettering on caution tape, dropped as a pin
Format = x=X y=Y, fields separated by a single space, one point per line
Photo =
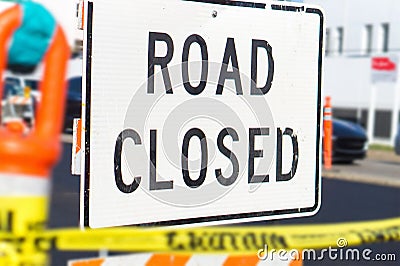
x=378 y=235
x=222 y=241
x=6 y=221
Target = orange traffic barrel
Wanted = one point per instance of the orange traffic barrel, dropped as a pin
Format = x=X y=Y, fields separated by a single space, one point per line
x=35 y=152
x=28 y=156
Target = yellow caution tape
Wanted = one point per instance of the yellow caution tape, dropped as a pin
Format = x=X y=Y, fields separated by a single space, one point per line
x=21 y=214
x=231 y=240
x=21 y=217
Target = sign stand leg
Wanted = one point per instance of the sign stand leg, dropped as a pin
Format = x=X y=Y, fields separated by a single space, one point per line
x=371 y=113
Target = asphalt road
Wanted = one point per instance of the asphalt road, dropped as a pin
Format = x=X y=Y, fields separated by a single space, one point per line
x=342 y=200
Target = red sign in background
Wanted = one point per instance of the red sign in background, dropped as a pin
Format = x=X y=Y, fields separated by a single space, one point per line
x=383 y=64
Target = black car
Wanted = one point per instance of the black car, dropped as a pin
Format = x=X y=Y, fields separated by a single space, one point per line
x=74 y=102
x=397 y=141
x=349 y=141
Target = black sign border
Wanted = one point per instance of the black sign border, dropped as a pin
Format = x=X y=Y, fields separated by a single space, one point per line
x=286 y=8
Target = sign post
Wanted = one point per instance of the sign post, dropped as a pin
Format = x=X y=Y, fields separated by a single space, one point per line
x=383 y=70
x=200 y=112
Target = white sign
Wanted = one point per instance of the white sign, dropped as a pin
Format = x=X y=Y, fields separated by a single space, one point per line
x=384 y=68
x=200 y=112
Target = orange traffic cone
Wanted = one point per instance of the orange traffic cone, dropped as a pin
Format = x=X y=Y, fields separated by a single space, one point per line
x=328 y=130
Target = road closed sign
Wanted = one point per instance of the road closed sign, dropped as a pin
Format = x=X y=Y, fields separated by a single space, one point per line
x=200 y=113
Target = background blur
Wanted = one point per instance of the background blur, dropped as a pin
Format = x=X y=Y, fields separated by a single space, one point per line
x=362 y=49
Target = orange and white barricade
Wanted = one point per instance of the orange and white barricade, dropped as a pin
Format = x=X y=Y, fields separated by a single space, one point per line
x=150 y=259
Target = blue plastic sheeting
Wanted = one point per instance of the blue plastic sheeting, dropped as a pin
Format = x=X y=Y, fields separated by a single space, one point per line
x=32 y=39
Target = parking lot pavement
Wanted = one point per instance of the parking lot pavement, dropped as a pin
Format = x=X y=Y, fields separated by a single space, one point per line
x=388 y=156
x=380 y=168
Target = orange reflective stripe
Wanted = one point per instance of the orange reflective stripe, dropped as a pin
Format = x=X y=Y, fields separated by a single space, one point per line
x=19 y=100
x=327 y=145
x=83 y=17
x=298 y=262
x=78 y=136
x=241 y=261
x=168 y=260
x=92 y=262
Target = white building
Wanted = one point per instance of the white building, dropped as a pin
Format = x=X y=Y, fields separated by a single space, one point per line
x=357 y=33
x=65 y=11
